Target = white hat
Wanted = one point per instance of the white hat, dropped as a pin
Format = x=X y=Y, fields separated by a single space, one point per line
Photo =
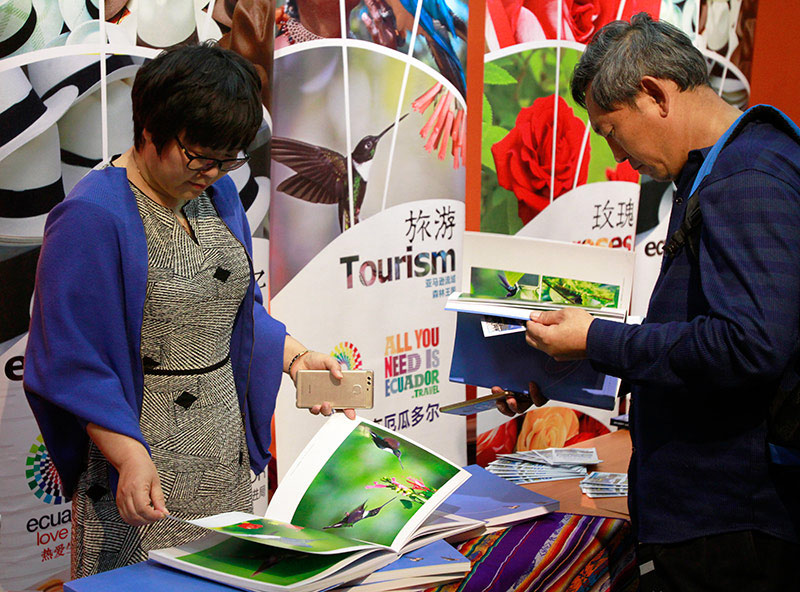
x=81 y=72
x=89 y=32
x=254 y=193
x=80 y=131
x=23 y=114
x=77 y=12
x=30 y=185
x=27 y=25
x=167 y=23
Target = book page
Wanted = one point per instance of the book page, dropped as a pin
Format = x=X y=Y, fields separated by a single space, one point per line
x=274 y=533
x=365 y=482
x=237 y=562
x=538 y=273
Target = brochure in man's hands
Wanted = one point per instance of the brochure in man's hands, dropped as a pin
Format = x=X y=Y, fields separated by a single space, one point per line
x=508 y=277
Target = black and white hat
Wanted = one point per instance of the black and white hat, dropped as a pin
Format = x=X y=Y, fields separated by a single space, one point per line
x=80 y=131
x=81 y=71
x=30 y=186
x=77 y=12
x=254 y=191
x=27 y=25
x=23 y=113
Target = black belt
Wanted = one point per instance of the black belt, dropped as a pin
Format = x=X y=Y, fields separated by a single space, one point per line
x=189 y=371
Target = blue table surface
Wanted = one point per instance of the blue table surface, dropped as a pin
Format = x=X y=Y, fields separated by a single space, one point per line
x=144 y=577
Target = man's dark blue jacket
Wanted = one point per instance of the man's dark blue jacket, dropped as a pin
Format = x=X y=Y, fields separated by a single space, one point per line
x=705 y=364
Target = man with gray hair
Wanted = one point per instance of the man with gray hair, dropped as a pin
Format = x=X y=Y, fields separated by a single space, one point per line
x=714 y=506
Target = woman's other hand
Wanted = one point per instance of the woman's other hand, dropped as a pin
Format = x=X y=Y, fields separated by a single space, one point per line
x=139 y=497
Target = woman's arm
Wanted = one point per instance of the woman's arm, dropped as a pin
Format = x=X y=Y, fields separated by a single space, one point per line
x=139 y=497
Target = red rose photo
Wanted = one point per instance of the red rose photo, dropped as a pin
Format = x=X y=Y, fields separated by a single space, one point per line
x=524 y=158
x=521 y=21
x=537 y=145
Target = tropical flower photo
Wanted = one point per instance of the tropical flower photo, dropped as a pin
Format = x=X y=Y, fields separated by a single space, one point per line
x=545 y=427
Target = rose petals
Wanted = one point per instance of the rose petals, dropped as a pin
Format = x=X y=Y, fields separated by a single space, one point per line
x=524 y=158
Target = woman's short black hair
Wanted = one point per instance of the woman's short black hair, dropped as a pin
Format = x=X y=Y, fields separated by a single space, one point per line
x=210 y=93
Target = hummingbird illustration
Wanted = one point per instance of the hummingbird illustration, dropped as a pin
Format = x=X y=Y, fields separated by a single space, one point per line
x=510 y=290
x=388 y=444
x=321 y=173
x=277 y=556
x=357 y=515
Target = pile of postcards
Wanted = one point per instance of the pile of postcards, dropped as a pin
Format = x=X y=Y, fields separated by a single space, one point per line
x=605 y=484
x=551 y=464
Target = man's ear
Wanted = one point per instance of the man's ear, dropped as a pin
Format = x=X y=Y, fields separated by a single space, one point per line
x=657 y=92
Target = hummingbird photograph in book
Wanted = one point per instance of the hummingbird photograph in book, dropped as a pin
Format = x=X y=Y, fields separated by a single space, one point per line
x=379 y=493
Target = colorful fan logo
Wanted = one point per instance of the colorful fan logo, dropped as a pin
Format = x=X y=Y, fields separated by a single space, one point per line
x=347 y=354
x=41 y=474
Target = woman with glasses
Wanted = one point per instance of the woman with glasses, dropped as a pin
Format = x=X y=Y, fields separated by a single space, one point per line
x=152 y=366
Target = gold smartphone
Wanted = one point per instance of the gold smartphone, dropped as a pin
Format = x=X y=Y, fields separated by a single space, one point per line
x=354 y=391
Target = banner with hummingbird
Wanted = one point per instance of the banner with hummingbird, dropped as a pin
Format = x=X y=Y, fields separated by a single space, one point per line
x=367 y=206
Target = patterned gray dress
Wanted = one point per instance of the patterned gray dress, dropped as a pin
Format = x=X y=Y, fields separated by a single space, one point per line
x=190 y=412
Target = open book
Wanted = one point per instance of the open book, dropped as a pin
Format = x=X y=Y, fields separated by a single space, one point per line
x=496 y=502
x=505 y=278
x=434 y=564
x=357 y=497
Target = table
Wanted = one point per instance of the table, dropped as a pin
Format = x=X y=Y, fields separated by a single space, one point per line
x=586 y=546
x=553 y=553
x=614 y=450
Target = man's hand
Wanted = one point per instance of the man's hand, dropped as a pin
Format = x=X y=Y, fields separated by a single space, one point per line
x=511 y=405
x=559 y=333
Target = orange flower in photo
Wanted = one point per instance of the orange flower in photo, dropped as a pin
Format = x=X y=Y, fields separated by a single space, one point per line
x=547 y=427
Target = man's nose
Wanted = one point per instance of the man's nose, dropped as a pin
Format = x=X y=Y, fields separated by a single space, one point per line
x=619 y=154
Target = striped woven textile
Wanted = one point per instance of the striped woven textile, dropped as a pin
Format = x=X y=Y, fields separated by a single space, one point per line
x=555 y=553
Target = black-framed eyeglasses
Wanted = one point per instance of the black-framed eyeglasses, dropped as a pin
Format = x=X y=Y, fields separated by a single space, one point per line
x=197 y=162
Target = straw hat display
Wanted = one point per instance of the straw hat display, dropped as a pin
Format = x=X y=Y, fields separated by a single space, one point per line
x=77 y=12
x=167 y=23
x=27 y=25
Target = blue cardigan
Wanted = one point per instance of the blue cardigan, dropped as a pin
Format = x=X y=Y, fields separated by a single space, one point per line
x=82 y=362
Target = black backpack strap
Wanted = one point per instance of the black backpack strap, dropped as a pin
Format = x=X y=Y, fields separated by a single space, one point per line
x=688 y=233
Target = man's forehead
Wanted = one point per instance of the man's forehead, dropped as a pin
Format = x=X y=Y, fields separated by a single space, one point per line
x=596 y=114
